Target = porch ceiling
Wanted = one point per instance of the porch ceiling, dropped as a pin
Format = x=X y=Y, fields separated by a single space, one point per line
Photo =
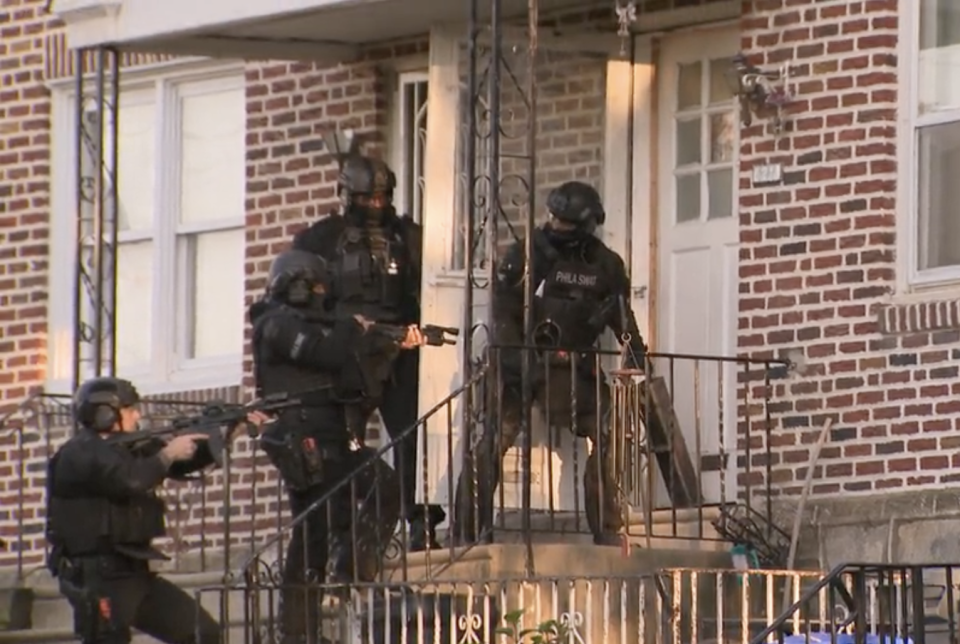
x=328 y=30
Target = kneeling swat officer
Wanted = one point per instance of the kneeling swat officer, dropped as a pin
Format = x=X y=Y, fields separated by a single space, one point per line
x=299 y=348
x=102 y=514
x=581 y=288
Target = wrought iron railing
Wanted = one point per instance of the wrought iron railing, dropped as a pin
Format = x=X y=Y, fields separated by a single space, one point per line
x=689 y=451
x=717 y=409
x=864 y=603
x=236 y=504
x=266 y=560
x=662 y=607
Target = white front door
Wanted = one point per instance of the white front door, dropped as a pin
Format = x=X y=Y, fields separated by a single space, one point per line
x=697 y=245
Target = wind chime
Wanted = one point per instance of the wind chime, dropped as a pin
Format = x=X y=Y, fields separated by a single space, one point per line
x=626 y=16
x=628 y=426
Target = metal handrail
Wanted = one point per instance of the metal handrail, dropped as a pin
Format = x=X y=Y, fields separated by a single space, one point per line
x=374 y=458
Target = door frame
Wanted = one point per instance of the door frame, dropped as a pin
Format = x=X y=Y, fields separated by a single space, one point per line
x=643 y=259
x=647 y=198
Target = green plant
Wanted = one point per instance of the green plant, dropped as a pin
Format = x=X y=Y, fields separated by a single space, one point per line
x=549 y=632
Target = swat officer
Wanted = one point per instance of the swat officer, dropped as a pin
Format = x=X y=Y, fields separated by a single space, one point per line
x=102 y=514
x=300 y=349
x=375 y=258
x=581 y=288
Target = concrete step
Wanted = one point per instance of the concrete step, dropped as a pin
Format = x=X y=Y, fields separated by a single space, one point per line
x=52 y=615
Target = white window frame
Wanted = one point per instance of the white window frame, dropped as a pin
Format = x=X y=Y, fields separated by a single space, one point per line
x=405 y=135
x=910 y=122
x=168 y=372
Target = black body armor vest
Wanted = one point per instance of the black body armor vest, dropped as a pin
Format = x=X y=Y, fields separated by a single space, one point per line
x=566 y=303
x=370 y=272
x=81 y=524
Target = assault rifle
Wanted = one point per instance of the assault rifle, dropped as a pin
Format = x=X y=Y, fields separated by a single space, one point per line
x=210 y=421
x=436 y=336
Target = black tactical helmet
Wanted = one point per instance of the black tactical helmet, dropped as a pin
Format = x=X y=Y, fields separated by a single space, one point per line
x=577 y=203
x=98 y=402
x=363 y=176
x=294 y=273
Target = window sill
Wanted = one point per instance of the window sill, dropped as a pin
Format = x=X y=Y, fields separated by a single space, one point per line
x=924 y=309
x=180 y=382
x=925 y=293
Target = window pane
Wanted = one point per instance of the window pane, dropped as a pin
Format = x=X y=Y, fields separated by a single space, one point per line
x=688 y=142
x=688 y=86
x=723 y=132
x=134 y=305
x=136 y=156
x=688 y=198
x=720 y=91
x=213 y=160
x=939 y=54
x=414 y=115
x=939 y=196
x=215 y=305
x=720 y=197
x=136 y=152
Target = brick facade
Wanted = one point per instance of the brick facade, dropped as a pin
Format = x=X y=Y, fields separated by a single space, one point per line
x=818 y=261
x=817 y=252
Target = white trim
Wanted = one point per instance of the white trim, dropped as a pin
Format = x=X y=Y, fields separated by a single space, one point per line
x=643 y=193
x=440 y=172
x=171 y=20
x=401 y=133
x=910 y=278
x=167 y=84
x=177 y=67
x=906 y=156
x=616 y=155
x=617 y=170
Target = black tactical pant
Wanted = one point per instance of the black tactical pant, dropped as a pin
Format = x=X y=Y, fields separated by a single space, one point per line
x=342 y=537
x=555 y=396
x=398 y=409
x=112 y=595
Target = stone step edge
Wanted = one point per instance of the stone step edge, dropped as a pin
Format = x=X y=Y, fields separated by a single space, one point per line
x=48 y=589
x=59 y=634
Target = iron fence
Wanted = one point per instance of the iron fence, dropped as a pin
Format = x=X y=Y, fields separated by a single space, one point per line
x=863 y=603
x=685 y=441
x=209 y=516
x=671 y=606
x=679 y=449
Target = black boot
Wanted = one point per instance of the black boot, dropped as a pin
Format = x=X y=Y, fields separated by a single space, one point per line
x=423 y=528
x=422 y=535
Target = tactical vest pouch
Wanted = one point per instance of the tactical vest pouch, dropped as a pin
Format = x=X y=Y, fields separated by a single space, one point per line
x=297 y=458
x=391 y=288
x=354 y=273
x=79 y=523
x=139 y=521
x=81 y=583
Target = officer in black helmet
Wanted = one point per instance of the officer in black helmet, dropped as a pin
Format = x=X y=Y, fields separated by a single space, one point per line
x=375 y=258
x=582 y=288
x=299 y=349
x=103 y=513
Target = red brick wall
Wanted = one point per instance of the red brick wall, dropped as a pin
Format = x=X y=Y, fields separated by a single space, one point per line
x=24 y=197
x=818 y=260
x=817 y=252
